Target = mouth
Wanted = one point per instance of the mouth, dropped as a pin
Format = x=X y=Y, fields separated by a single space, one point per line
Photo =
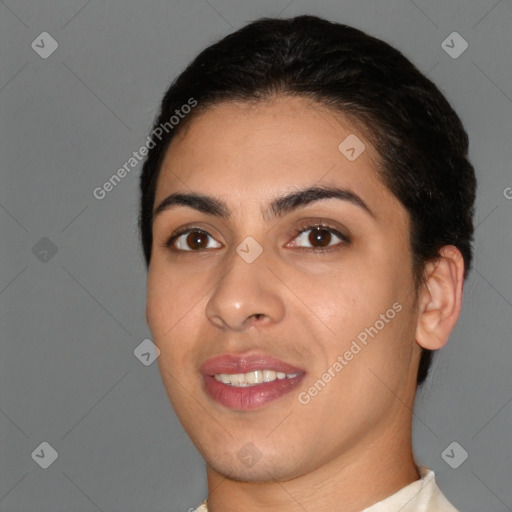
x=245 y=382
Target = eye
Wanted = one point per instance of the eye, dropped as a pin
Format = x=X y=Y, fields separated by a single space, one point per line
x=193 y=238
x=321 y=236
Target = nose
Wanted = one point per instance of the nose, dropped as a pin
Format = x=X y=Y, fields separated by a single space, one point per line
x=248 y=294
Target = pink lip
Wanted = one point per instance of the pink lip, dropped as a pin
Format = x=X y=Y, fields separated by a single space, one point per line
x=231 y=363
x=250 y=397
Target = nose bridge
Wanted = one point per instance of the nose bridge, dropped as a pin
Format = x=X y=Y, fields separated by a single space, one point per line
x=246 y=290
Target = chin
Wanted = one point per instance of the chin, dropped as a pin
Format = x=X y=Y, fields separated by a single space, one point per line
x=268 y=468
x=252 y=476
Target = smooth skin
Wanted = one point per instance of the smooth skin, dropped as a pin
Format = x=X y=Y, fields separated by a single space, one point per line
x=350 y=446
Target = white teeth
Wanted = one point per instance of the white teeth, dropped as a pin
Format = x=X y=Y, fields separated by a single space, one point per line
x=223 y=377
x=269 y=375
x=252 y=378
x=238 y=379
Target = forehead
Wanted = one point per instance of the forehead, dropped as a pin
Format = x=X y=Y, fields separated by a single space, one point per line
x=245 y=152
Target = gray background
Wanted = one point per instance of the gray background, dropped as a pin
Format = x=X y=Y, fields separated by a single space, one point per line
x=70 y=321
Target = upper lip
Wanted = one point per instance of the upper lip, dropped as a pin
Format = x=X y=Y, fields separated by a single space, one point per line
x=244 y=363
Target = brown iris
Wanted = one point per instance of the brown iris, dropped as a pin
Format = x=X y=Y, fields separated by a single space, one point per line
x=197 y=240
x=320 y=236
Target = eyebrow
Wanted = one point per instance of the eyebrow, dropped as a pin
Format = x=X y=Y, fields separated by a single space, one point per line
x=277 y=208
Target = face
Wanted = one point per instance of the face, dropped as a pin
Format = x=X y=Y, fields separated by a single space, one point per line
x=285 y=318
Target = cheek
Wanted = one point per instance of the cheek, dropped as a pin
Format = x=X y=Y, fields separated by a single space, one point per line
x=368 y=310
x=169 y=300
x=350 y=301
x=159 y=301
x=174 y=305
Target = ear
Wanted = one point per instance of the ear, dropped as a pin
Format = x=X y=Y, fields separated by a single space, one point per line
x=440 y=299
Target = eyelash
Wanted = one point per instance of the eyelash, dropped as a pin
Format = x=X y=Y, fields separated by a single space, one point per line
x=299 y=231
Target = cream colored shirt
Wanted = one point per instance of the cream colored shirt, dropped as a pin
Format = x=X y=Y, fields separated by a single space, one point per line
x=421 y=496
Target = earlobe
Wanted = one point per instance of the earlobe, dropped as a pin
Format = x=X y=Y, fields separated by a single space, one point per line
x=440 y=299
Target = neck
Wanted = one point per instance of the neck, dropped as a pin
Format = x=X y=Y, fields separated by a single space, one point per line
x=376 y=468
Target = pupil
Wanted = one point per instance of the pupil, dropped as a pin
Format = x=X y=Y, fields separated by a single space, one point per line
x=321 y=236
x=196 y=240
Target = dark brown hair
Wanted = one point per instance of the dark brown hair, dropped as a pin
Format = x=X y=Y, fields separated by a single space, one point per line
x=419 y=137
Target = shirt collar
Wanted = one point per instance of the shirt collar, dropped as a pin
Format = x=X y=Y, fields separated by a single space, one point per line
x=423 y=495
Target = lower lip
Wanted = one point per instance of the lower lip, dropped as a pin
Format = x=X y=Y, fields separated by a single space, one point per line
x=249 y=397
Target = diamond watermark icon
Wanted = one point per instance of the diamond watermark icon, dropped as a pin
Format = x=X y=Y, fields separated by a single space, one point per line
x=351 y=147
x=44 y=250
x=454 y=455
x=44 y=45
x=45 y=455
x=146 y=352
x=249 y=249
x=454 y=45
x=249 y=454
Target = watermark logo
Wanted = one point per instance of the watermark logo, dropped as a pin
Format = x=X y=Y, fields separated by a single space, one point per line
x=351 y=147
x=249 y=454
x=44 y=45
x=146 y=352
x=137 y=156
x=454 y=455
x=343 y=360
x=45 y=455
x=249 y=249
x=454 y=45
x=44 y=250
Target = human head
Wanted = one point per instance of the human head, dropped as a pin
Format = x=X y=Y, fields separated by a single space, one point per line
x=419 y=137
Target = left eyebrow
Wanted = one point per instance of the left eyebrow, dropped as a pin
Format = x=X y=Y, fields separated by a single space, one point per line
x=277 y=208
